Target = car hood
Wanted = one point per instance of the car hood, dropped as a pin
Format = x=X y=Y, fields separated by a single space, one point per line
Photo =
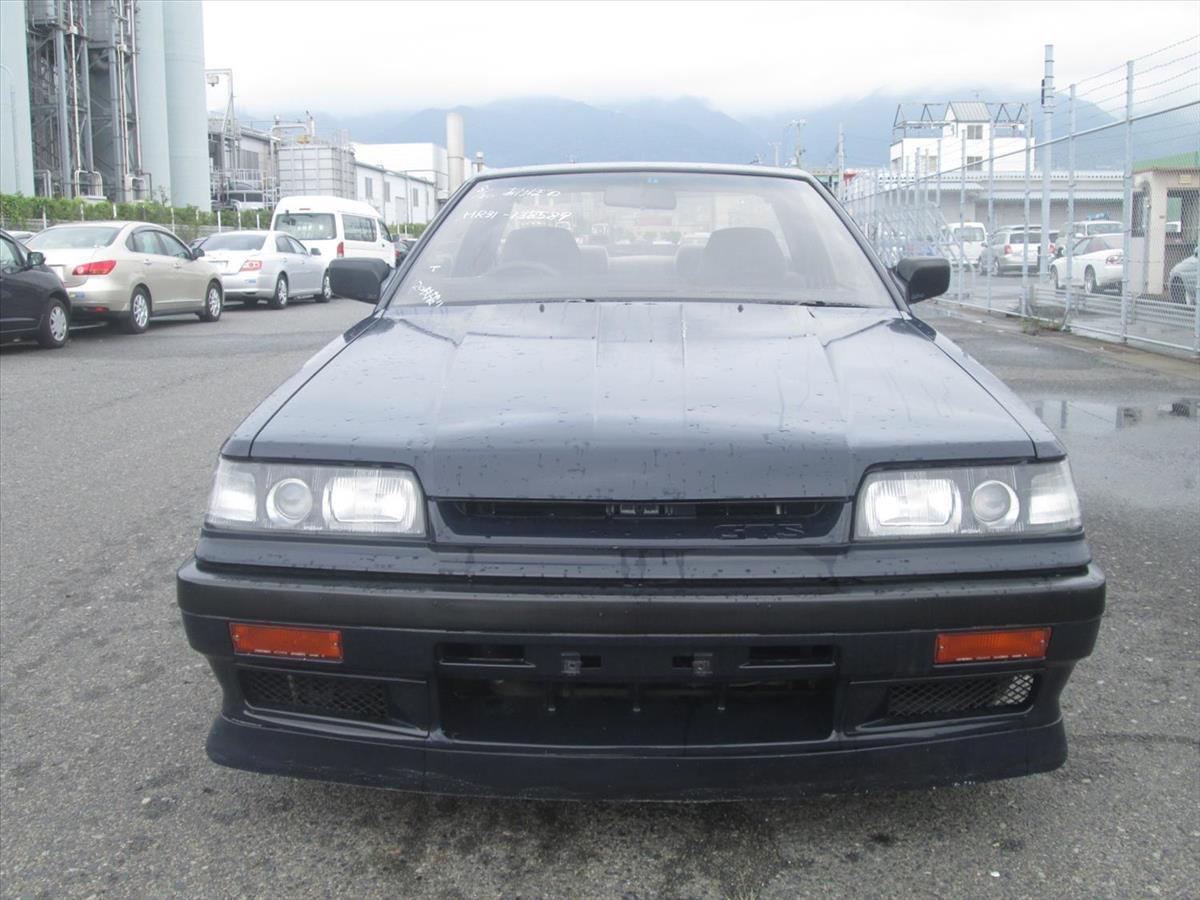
x=637 y=401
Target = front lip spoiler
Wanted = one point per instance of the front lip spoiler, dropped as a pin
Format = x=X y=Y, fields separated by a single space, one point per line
x=636 y=777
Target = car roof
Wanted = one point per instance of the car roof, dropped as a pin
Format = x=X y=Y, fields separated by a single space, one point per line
x=111 y=223
x=695 y=168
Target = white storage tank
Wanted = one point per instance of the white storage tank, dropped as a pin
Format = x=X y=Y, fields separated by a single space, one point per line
x=16 y=141
x=187 y=116
x=152 y=97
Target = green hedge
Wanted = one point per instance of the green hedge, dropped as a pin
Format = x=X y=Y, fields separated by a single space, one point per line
x=32 y=209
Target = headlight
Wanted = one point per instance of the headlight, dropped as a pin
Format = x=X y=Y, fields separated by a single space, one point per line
x=300 y=498
x=1034 y=498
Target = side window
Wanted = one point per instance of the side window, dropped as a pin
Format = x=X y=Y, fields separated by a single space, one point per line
x=297 y=247
x=282 y=245
x=384 y=234
x=139 y=242
x=359 y=228
x=171 y=245
x=10 y=258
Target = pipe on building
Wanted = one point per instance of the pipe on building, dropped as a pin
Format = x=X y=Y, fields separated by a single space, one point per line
x=187 y=116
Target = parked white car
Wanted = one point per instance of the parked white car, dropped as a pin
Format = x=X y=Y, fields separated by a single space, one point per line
x=974 y=238
x=1089 y=228
x=1182 y=280
x=335 y=228
x=1096 y=263
x=266 y=265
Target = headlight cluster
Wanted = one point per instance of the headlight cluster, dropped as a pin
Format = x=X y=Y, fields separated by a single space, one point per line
x=338 y=499
x=1035 y=498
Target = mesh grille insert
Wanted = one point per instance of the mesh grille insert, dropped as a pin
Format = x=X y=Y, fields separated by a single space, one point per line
x=342 y=698
x=953 y=696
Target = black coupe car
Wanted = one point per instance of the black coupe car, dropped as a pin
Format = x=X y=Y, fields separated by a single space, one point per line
x=33 y=301
x=642 y=482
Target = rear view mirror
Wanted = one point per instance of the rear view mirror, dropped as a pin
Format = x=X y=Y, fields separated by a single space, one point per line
x=358 y=279
x=639 y=196
x=35 y=259
x=923 y=277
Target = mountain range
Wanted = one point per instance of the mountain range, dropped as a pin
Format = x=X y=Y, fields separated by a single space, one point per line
x=532 y=130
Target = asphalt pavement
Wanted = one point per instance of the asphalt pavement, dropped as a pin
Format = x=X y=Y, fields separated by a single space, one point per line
x=106 y=451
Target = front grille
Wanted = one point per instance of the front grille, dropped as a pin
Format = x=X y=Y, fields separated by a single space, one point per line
x=667 y=520
x=948 y=697
x=586 y=713
x=323 y=695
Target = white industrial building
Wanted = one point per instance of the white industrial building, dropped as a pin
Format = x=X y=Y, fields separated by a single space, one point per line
x=940 y=137
x=104 y=99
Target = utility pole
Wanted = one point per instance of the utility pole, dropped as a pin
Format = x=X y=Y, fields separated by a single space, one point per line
x=841 y=162
x=799 y=123
x=1046 y=155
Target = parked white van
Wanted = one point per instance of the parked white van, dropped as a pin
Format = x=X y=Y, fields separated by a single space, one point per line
x=335 y=227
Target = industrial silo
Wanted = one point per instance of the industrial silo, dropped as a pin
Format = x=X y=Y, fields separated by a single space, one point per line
x=187 y=116
x=16 y=141
x=152 y=97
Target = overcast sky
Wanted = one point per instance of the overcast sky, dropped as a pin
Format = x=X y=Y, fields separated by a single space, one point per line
x=748 y=57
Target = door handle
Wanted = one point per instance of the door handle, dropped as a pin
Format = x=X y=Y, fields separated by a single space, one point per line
x=148 y=262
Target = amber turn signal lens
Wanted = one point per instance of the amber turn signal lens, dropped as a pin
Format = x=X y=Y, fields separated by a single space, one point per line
x=980 y=646
x=279 y=640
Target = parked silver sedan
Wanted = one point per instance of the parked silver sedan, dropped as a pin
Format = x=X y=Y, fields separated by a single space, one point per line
x=128 y=272
x=266 y=265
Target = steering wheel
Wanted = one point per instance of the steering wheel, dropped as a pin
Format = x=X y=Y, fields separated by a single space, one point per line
x=518 y=267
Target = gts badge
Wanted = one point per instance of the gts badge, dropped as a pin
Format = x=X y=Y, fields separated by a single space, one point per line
x=763 y=531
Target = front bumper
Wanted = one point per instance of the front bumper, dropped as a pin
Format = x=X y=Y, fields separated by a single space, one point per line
x=643 y=692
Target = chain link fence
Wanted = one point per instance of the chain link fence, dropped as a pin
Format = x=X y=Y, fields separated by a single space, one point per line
x=1081 y=211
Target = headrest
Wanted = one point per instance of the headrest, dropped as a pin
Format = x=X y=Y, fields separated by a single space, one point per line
x=742 y=254
x=544 y=244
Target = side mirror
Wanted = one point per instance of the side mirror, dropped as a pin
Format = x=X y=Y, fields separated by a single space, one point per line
x=35 y=259
x=315 y=251
x=358 y=279
x=197 y=253
x=923 y=277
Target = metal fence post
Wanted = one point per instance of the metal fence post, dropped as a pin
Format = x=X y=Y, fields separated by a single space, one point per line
x=1128 y=203
x=218 y=221
x=257 y=223
x=1025 y=233
x=937 y=196
x=1047 y=156
x=1069 y=231
x=962 y=215
x=991 y=213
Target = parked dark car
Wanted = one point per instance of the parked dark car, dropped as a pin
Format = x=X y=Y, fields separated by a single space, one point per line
x=33 y=301
x=566 y=520
x=403 y=245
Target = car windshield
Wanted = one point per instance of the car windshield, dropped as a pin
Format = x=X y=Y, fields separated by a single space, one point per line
x=1105 y=227
x=307 y=226
x=646 y=236
x=234 y=242
x=969 y=233
x=73 y=237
